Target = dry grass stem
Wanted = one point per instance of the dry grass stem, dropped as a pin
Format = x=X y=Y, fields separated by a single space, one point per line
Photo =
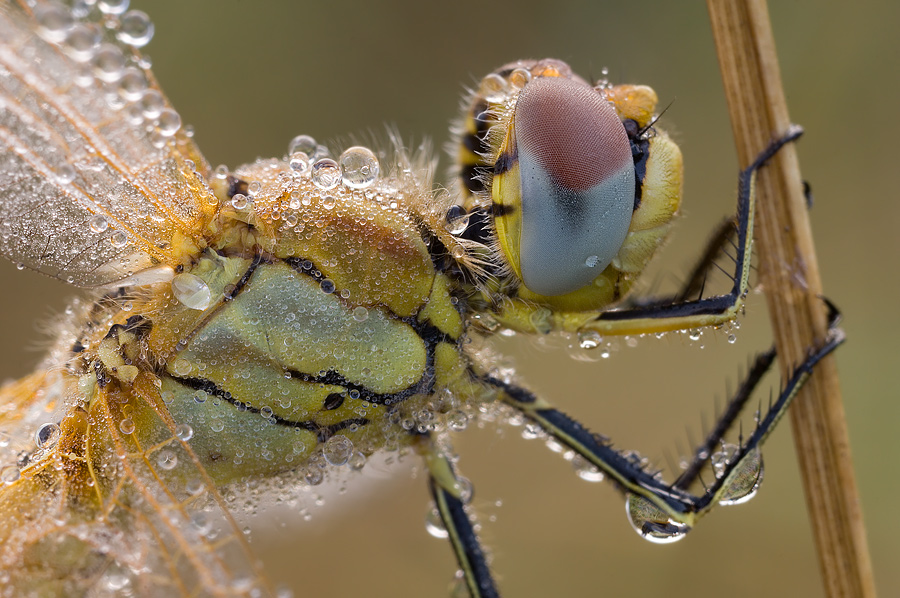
x=790 y=277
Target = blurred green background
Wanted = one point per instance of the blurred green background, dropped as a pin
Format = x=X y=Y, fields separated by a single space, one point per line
x=250 y=75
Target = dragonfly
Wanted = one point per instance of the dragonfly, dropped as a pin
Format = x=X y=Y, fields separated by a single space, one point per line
x=296 y=316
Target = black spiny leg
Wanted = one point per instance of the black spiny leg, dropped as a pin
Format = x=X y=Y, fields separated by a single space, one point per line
x=672 y=509
x=447 y=493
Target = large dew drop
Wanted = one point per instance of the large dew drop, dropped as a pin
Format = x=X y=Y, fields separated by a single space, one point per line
x=434 y=525
x=743 y=482
x=359 y=167
x=338 y=450
x=652 y=523
x=326 y=174
x=302 y=143
x=135 y=29
x=46 y=436
x=54 y=20
x=191 y=291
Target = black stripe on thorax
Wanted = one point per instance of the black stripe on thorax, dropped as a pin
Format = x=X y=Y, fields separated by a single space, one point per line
x=323 y=433
x=230 y=294
x=429 y=334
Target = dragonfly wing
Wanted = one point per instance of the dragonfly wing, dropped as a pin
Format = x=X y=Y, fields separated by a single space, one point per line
x=119 y=504
x=98 y=179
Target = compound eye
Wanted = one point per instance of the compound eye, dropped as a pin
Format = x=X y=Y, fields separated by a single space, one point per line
x=571 y=209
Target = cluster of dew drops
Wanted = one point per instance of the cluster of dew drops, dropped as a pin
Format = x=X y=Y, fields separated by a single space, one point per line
x=357 y=168
x=107 y=57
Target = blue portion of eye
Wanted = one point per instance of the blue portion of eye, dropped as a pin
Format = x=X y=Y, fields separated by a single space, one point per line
x=569 y=237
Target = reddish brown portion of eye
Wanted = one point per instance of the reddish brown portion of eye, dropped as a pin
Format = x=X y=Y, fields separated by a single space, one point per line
x=571 y=131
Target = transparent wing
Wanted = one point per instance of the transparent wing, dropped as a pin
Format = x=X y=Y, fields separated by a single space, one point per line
x=117 y=504
x=97 y=177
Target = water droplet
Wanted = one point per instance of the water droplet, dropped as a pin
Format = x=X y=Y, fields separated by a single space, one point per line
x=314 y=476
x=731 y=339
x=240 y=201
x=182 y=367
x=133 y=84
x=494 y=88
x=82 y=41
x=115 y=579
x=9 y=474
x=202 y=523
x=338 y=449
x=326 y=174
x=744 y=480
x=191 y=291
x=118 y=239
x=166 y=459
x=302 y=143
x=585 y=470
x=327 y=286
x=46 y=436
x=135 y=29
x=126 y=426
x=592 y=261
x=184 y=432
x=694 y=334
x=360 y=314
x=519 y=78
x=651 y=523
x=359 y=167
x=98 y=223
x=434 y=525
x=152 y=103
x=299 y=163
x=589 y=339
x=328 y=202
x=357 y=461
x=54 y=20
x=458 y=224
x=109 y=63
x=113 y=7
x=194 y=486
x=65 y=174
x=169 y=122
